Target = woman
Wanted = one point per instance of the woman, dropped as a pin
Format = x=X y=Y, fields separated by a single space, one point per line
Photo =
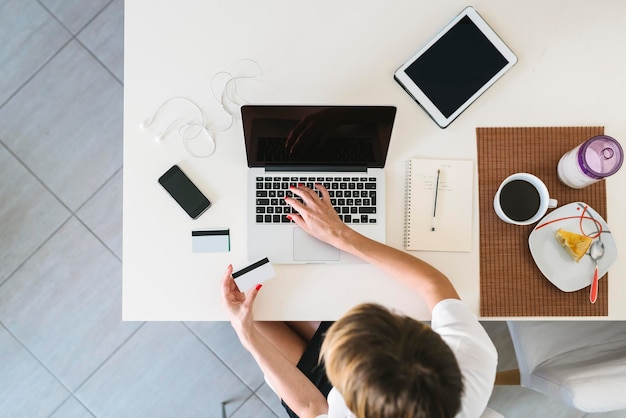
x=380 y=364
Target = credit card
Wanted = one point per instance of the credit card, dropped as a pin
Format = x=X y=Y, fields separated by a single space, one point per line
x=255 y=273
x=215 y=240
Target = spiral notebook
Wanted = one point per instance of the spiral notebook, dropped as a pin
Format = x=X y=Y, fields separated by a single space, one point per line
x=438 y=212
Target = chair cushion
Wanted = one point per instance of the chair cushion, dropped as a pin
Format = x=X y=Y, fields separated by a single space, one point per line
x=590 y=379
x=539 y=341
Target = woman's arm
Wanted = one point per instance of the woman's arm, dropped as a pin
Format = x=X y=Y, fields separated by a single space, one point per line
x=317 y=217
x=286 y=379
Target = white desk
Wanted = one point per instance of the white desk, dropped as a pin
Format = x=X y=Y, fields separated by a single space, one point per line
x=570 y=73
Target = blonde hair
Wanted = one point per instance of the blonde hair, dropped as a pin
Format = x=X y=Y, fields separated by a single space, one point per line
x=391 y=366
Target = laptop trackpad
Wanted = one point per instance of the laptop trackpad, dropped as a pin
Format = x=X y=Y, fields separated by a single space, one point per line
x=307 y=248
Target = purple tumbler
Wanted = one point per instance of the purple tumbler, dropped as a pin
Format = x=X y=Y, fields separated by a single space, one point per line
x=591 y=161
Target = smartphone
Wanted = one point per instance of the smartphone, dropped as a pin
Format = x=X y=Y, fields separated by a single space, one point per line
x=188 y=196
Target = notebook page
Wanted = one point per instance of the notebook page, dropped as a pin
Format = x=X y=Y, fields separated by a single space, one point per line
x=438 y=212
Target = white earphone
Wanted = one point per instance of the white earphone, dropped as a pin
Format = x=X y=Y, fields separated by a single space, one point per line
x=190 y=129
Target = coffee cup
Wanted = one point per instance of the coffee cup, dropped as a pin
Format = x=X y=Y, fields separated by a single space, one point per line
x=522 y=199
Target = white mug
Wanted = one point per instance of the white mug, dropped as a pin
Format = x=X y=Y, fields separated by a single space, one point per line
x=522 y=199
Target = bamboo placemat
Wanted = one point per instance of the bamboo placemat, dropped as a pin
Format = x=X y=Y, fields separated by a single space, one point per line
x=510 y=282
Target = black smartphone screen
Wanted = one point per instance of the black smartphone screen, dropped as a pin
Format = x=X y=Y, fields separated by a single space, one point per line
x=188 y=196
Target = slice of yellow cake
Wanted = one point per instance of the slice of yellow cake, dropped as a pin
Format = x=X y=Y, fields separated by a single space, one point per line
x=575 y=244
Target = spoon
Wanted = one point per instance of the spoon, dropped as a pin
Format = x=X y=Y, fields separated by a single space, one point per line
x=595 y=252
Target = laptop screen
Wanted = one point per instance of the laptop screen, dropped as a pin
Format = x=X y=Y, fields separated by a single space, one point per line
x=317 y=136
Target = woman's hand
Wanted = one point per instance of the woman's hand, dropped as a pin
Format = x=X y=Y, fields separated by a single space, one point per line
x=287 y=380
x=317 y=216
x=239 y=305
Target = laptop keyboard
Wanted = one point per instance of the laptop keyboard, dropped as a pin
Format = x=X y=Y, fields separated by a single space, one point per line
x=354 y=198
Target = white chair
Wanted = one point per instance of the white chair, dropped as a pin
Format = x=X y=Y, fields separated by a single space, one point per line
x=581 y=362
x=490 y=413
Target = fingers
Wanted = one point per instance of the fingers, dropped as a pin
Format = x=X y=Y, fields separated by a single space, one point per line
x=309 y=195
x=302 y=191
x=252 y=296
x=297 y=219
x=310 y=199
x=324 y=191
x=230 y=291
x=229 y=271
x=300 y=206
x=296 y=204
x=227 y=280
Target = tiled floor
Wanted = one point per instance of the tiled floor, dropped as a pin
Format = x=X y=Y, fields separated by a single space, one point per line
x=64 y=351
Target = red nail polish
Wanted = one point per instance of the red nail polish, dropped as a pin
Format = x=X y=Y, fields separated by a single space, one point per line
x=258 y=286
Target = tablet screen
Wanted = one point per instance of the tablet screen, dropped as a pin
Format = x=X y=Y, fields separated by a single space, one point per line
x=456 y=66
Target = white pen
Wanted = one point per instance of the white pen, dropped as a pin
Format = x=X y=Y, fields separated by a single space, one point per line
x=436 y=195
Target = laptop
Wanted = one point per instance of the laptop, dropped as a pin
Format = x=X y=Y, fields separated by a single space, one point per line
x=342 y=147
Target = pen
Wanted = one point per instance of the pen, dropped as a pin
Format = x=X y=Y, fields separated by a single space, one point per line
x=436 y=195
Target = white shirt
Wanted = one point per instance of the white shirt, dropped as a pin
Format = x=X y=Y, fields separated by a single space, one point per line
x=474 y=352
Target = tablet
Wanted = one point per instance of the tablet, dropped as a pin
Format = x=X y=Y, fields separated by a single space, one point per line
x=455 y=67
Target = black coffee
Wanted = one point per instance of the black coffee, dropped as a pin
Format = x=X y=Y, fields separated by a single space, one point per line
x=519 y=200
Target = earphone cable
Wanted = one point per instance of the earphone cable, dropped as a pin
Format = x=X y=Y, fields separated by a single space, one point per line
x=224 y=99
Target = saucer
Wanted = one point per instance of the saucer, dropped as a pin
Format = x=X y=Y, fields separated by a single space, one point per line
x=552 y=259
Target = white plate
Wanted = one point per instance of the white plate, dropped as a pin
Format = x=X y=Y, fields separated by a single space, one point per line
x=552 y=259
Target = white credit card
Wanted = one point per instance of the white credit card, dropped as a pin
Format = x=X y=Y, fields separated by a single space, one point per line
x=255 y=273
x=214 y=240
